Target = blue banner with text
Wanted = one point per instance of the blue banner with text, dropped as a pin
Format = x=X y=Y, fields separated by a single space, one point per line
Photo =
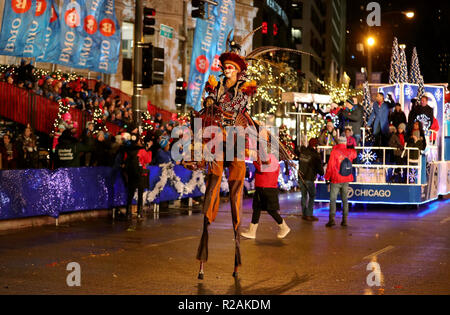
x=209 y=42
x=24 y=27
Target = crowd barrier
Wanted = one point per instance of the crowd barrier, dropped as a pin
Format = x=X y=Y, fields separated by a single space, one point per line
x=24 y=107
x=42 y=192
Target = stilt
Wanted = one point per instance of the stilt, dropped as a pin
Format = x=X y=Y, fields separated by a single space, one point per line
x=201 y=273
x=237 y=252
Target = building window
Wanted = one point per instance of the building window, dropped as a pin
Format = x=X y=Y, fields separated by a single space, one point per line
x=297 y=35
x=127 y=39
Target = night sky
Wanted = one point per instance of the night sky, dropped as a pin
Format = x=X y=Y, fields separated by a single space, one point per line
x=429 y=31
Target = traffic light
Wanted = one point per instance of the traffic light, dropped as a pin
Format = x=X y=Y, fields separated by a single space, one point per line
x=152 y=65
x=149 y=21
x=180 y=93
x=198 y=9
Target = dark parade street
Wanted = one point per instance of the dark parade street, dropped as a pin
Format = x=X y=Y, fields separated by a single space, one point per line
x=157 y=255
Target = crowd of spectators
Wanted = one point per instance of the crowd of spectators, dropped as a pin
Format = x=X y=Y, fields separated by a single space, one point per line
x=77 y=92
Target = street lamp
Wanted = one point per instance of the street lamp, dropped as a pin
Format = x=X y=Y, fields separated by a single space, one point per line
x=370 y=44
x=409 y=14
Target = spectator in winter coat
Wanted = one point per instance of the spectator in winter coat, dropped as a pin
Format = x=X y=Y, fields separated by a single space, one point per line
x=353 y=117
x=416 y=140
x=100 y=156
x=163 y=155
x=339 y=182
x=423 y=113
x=8 y=153
x=398 y=140
x=310 y=165
x=136 y=163
x=397 y=117
x=328 y=137
x=28 y=154
x=351 y=142
x=68 y=150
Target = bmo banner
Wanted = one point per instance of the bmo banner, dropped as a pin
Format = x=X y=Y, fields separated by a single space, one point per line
x=376 y=193
x=24 y=27
x=88 y=36
x=209 y=43
x=78 y=34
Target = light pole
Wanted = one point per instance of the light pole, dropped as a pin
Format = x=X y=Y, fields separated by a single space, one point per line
x=137 y=71
x=370 y=44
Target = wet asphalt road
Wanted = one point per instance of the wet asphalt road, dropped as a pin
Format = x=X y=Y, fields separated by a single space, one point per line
x=157 y=255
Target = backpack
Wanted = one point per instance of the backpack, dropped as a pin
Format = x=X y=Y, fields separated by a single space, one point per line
x=346 y=167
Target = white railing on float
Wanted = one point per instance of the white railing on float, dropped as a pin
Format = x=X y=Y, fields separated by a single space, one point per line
x=410 y=163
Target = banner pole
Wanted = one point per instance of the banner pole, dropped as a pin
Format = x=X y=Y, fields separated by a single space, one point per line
x=137 y=73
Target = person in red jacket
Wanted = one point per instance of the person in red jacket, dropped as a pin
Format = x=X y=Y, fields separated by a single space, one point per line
x=266 y=195
x=339 y=182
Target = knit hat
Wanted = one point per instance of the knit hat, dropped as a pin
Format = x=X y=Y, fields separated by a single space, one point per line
x=350 y=101
x=313 y=142
x=163 y=142
x=402 y=126
x=342 y=139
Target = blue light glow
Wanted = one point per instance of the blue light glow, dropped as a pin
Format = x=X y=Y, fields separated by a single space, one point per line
x=432 y=208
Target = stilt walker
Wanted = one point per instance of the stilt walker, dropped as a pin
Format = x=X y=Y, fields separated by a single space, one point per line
x=230 y=96
x=226 y=105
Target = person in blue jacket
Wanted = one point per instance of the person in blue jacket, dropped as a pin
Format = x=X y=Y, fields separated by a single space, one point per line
x=163 y=155
x=379 y=119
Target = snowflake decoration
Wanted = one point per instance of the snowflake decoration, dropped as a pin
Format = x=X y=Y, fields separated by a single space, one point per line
x=397 y=90
x=413 y=176
x=447 y=111
x=333 y=118
x=438 y=95
x=425 y=121
x=367 y=156
x=409 y=91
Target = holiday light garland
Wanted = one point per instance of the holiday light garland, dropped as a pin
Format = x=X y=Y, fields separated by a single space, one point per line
x=315 y=125
x=339 y=93
x=272 y=81
x=99 y=124
x=39 y=72
x=147 y=123
x=63 y=108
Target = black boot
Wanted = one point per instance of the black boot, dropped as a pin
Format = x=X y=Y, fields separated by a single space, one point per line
x=331 y=222
x=344 y=221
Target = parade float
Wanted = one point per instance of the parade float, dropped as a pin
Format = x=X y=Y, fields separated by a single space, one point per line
x=378 y=180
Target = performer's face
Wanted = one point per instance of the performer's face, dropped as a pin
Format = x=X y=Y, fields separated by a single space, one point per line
x=230 y=71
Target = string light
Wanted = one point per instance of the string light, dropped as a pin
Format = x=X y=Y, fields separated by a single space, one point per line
x=314 y=125
x=339 y=93
x=62 y=109
x=272 y=81
x=39 y=72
